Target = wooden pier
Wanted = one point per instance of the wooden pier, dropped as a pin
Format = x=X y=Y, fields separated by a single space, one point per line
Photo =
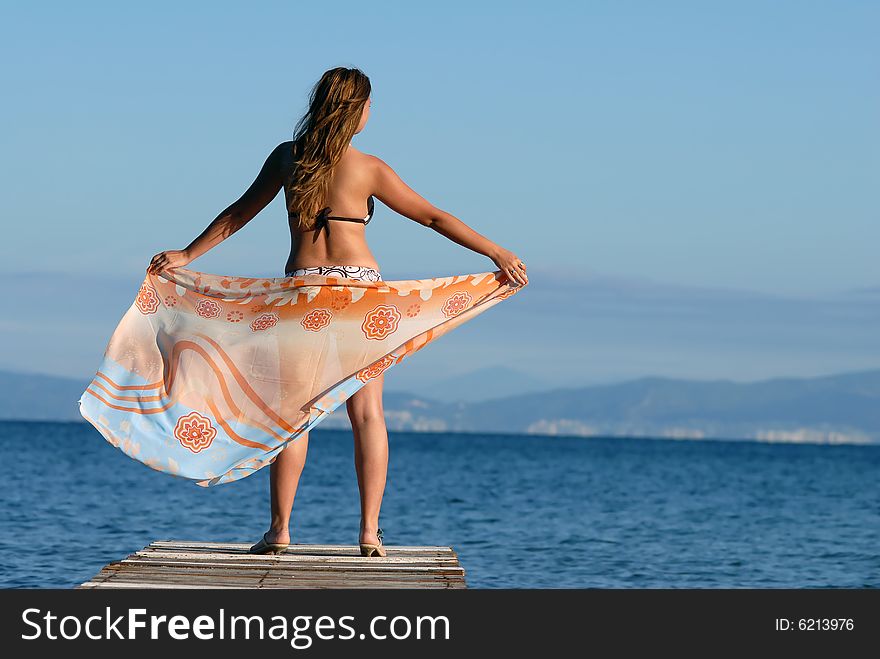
x=192 y=564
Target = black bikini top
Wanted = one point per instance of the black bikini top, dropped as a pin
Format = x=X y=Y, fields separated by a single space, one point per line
x=321 y=220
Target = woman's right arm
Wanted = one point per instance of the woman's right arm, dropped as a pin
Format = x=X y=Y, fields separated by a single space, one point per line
x=400 y=198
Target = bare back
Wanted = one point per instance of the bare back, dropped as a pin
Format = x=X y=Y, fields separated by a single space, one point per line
x=352 y=182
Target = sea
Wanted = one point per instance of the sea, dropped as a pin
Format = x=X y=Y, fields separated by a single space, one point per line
x=521 y=511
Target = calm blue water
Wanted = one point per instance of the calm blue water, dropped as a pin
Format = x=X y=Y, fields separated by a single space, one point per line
x=521 y=511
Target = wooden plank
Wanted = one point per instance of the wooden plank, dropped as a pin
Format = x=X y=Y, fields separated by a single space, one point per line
x=280 y=571
x=264 y=580
x=196 y=564
x=230 y=579
x=238 y=546
x=391 y=559
x=268 y=578
x=213 y=577
x=291 y=565
x=315 y=571
x=177 y=586
x=292 y=551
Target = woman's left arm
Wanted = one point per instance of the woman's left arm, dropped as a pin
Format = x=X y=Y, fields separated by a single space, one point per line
x=263 y=190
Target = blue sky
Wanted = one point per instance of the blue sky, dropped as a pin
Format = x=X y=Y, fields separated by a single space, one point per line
x=732 y=147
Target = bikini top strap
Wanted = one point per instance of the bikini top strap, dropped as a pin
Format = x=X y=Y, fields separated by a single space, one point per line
x=322 y=217
x=365 y=220
x=321 y=220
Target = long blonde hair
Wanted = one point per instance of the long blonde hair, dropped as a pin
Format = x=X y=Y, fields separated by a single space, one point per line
x=321 y=138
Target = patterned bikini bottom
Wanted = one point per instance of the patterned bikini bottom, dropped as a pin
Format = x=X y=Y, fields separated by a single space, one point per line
x=350 y=271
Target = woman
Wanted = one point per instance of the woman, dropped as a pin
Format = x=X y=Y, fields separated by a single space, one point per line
x=319 y=171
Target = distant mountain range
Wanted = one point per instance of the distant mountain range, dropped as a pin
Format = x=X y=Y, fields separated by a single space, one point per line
x=842 y=408
x=475 y=385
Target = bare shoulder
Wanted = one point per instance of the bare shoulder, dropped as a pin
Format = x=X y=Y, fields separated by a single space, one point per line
x=361 y=157
x=282 y=156
x=284 y=149
x=373 y=167
x=392 y=191
x=377 y=167
x=374 y=161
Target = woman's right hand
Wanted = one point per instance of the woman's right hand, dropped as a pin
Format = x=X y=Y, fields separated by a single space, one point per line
x=511 y=265
x=172 y=258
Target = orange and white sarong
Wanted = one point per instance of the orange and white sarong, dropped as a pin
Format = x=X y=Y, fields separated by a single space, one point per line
x=207 y=377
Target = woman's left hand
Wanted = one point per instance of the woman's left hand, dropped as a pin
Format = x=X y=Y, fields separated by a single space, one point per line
x=172 y=258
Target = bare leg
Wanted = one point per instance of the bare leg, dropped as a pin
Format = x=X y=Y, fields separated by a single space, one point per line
x=370 y=453
x=284 y=475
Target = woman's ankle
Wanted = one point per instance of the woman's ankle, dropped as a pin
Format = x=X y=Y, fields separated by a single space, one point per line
x=280 y=527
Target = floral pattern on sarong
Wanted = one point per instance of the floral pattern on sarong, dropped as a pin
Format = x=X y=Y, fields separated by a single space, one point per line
x=381 y=321
x=195 y=431
x=208 y=309
x=316 y=320
x=456 y=303
x=339 y=299
x=375 y=369
x=264 y=321
x=147 y=300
